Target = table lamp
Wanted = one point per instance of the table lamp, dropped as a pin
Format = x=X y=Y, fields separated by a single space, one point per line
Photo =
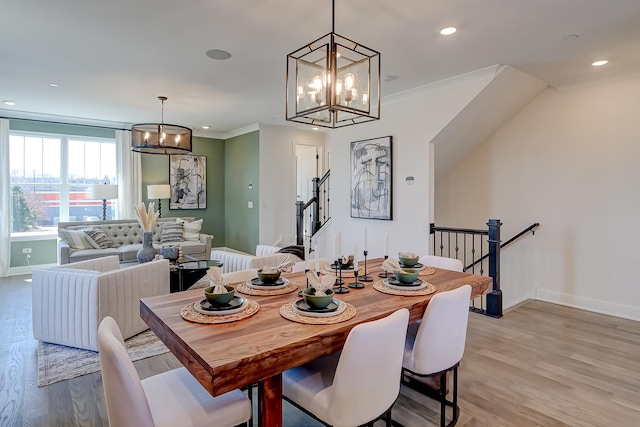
x=160 y=191
x=104 y=192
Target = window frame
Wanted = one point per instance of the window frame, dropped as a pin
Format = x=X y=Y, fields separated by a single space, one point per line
x=64 y=177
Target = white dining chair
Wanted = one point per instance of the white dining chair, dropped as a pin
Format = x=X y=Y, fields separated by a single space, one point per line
x=435 y=346
x=441 y=262
x=301 y=266
x=173 y=398
x=235 y=277
x=358 y=385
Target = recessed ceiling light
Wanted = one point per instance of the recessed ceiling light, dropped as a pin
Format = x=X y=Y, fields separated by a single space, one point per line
x=218 y=54
x=206 y=127
x=448 y=31
x=315 y=128
x=53 y=84
x=599 y=63
x=6 y=101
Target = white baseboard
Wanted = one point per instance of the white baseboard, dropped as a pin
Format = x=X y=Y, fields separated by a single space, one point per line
x=28 y=269
x=590 y=304
x=519 y=301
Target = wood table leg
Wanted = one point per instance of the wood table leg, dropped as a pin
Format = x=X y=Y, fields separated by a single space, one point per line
x=270 y=401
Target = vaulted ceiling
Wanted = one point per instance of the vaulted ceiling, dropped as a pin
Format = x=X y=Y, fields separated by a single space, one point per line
x=112 y=59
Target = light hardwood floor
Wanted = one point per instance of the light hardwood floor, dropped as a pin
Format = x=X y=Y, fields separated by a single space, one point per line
x=540 y=365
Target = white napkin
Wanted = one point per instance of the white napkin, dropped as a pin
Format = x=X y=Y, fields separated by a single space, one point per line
x=217 y=281
x=407 y=255
x=391 y=264
x=285 y=266
x=321 y=284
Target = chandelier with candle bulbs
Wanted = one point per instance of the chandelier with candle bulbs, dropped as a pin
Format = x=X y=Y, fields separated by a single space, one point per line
x=160 y=138
x=333 y=82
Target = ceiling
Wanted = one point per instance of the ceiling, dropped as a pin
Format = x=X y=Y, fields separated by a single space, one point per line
x=112 y=59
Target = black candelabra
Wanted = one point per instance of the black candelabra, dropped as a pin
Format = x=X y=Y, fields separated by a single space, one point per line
x=339 y=281
x=364 y=276
x=384 y=273
x=356 y=284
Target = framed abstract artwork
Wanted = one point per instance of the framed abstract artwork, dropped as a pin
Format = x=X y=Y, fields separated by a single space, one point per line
x=188 y=181
x=371 y=178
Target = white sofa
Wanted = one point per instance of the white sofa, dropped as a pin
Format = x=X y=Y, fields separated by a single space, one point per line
x=69 y=302
x=265 y=256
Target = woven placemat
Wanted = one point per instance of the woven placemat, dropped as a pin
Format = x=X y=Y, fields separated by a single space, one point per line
x=243 y=288
x=427 y=271
x=288 y=312
x=381 y=287
x=189 y=313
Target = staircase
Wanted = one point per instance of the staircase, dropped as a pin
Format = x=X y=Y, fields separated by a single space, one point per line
x=312 y=215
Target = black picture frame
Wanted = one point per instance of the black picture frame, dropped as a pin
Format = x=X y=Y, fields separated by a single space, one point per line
x=371 y=178
x=188 y=181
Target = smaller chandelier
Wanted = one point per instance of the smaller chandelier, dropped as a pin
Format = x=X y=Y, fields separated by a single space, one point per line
x=333 y=82
x=160 y=138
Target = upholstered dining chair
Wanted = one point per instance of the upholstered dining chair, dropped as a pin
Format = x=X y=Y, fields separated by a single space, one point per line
x=441 y=262
x=301 y=266
x=435 y=346
x=235 y=277
x=173 y=398
x=358 y=385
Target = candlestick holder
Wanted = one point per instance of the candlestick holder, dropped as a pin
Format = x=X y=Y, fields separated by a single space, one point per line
x=356 y=284
x=306 y=270
x=337 y=267
x=384 y=273
x=364 y=277
x=339 y=281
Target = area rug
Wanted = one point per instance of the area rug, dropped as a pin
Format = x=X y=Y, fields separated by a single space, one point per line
x=59 y=362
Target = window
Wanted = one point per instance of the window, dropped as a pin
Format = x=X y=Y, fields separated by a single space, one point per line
x=52 y=177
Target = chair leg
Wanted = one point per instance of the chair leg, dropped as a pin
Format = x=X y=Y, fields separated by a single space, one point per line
x=250 y=392
x=456 y=408
x=443 y=399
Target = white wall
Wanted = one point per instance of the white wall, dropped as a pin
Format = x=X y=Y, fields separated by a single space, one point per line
x=569 y=160
x=412 y=123
x=277 y=179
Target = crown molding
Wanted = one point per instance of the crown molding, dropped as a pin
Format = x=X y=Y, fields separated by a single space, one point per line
x=448 y=83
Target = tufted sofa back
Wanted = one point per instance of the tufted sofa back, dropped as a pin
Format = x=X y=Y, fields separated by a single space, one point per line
x=122 y=232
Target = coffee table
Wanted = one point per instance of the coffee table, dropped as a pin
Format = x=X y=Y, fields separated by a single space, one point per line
x=185 y=274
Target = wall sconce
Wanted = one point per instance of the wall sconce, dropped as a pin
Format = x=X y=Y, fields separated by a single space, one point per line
x=250 y=186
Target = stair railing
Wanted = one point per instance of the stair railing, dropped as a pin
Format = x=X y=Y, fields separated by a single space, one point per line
x=464 y=243
x=317 y=208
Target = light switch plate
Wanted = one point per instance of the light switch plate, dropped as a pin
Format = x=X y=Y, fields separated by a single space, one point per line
x=250 y=205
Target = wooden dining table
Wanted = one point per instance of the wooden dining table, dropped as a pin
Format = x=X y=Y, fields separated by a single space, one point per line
x=257 y=349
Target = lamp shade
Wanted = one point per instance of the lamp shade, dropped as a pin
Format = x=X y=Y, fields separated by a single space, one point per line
x=160 y=191
x=104 y=191
x=160 y=138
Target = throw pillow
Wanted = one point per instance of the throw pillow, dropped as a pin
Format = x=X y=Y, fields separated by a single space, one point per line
x=191 y=230
x=171 y=233
x=76 y=239
x=98 y=239
x=293 y=250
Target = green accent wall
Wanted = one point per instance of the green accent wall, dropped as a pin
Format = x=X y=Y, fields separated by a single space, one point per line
x=155 y=170
x=42 y=252
x=242 y=162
